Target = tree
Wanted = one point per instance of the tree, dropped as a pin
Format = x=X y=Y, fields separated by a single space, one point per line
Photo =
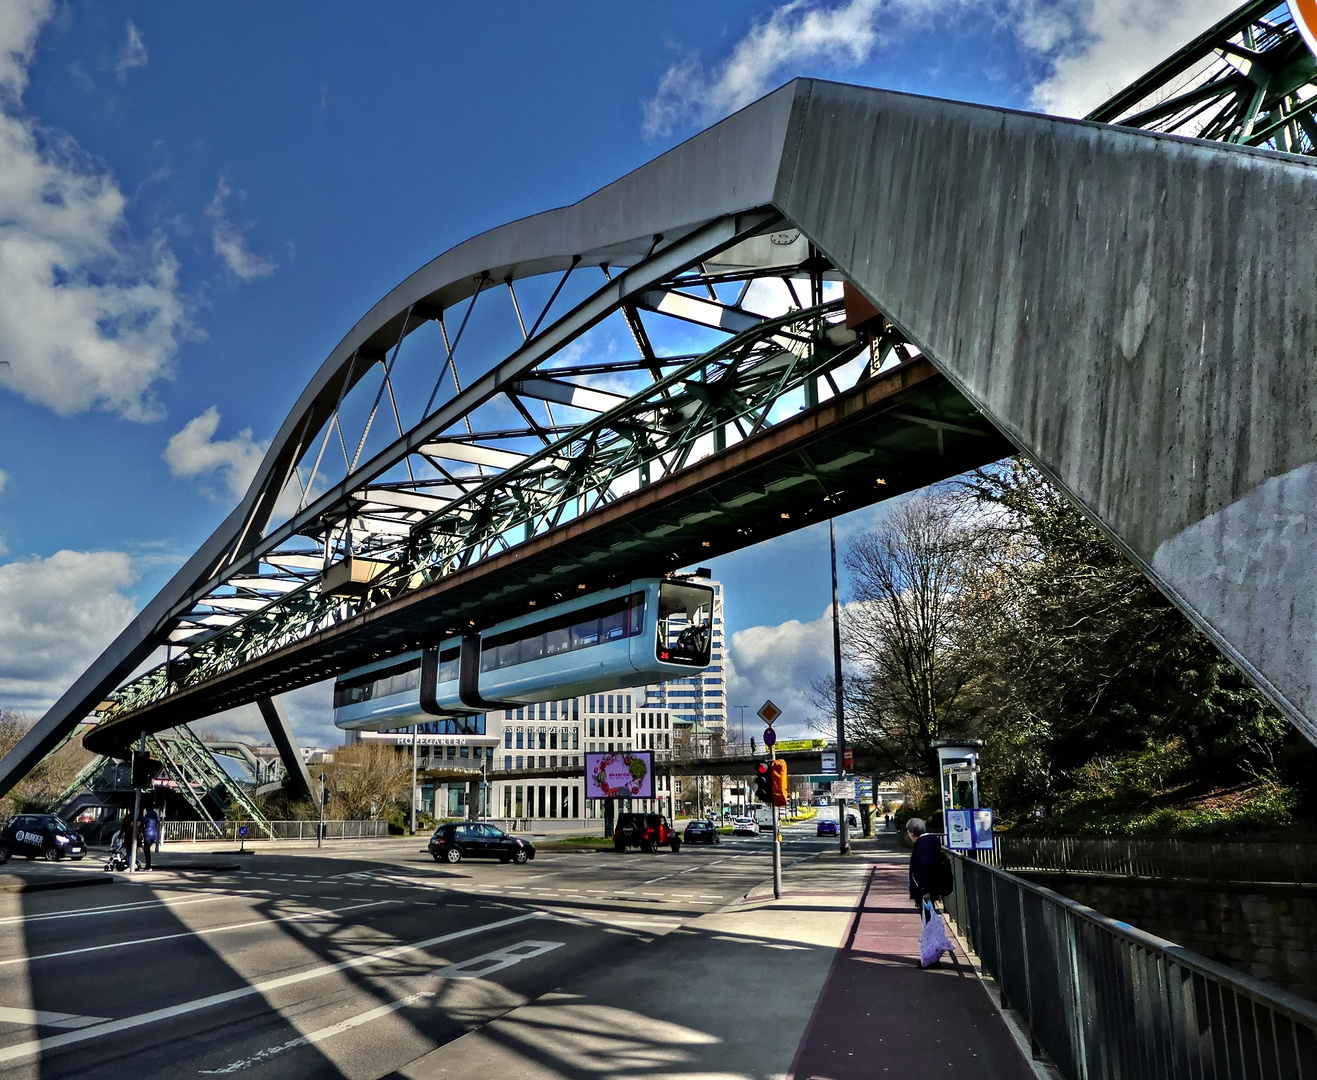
x=1078 y=658
x=369 y=780
x=38 y=790
x=901 y=634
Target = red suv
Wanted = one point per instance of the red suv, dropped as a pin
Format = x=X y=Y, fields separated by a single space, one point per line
x=649 y=832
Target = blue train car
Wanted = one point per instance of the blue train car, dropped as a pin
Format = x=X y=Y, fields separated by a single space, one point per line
x=642 y=632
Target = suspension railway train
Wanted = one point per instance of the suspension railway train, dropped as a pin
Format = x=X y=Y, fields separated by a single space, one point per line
x=642 y=632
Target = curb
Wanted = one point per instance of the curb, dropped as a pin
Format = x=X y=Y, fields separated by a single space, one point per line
x=11 y=883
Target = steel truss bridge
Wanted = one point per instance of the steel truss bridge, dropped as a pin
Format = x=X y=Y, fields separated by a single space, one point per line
x=834 y=296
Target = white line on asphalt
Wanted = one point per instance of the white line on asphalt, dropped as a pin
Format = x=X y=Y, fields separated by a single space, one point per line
x=18 y=1051
x=318 y=1035
x=37 y=1018
x=188 y=933
x=480 y=966
x=113 y=909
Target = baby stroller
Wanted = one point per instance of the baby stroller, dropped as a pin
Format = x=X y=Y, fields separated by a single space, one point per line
x=118 y=859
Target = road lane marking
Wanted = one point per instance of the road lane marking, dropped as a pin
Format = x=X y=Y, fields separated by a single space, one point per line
x=38 y=1018
x=301 y=915
x=319 y=1035
x=19 y=1051
x=480 y=966
x=136 y=905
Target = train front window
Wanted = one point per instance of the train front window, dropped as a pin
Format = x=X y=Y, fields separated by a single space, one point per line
x=685 y=619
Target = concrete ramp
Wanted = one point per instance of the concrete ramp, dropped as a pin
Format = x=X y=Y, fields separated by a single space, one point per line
x=1137 y=312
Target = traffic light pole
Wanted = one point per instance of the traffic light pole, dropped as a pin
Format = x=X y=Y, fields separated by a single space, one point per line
x=137 y=806
x=777 y=843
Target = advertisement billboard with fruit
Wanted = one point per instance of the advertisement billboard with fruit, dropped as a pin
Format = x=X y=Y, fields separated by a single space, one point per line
x=620 y=775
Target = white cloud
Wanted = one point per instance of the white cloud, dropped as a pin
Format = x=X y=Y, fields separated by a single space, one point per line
x=4 y=479
x=779 y=663
x=132 y=53
x=1104 y=46
x=56 y=616
x=228 y=241
x=797 y=33
x=87 y=315
x=1089 y=49
x=195 y=452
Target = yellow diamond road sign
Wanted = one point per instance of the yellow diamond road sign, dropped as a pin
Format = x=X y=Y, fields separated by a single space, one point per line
x=769 y=712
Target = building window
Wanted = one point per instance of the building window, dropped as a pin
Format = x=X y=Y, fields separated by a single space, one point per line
x=565 y=791
x=520 y=765
x=507 y=738
x=542 y=766
x=576 y=802
x=553 y=761
x=628 y=727
x=576 y=738
x=592 y=727
x=520 y=734
x=678 y=786
x=610 y=703
x=553 y=738
x=520 y=806
x=507 y=801
x=507 y=762
x=553 y=801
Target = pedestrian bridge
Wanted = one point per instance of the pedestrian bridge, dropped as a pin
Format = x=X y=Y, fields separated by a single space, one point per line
x=836 y=295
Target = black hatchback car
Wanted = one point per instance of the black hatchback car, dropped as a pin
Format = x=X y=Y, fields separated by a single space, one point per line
x=476 y=840
x=45 y=835
x=700 y=831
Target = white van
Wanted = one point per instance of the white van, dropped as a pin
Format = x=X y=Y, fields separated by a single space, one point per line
x=763 y=816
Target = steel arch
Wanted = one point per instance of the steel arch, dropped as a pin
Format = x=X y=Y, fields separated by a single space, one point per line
x=960 y=223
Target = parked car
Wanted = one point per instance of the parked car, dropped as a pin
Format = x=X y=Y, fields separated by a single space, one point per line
x=34 y=835
x=828 y=827
x=701 y=832
x=476 y=840
x=745 y=826
x=649 y=832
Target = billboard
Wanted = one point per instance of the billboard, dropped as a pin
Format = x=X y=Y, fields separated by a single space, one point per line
x=622 y=775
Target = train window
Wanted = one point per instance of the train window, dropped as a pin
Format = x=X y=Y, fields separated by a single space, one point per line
x=398 y=679
x=610 y=620
x=684 y=623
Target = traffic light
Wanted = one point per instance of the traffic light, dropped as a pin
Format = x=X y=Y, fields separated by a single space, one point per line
x=778 y=777
x=144 y=770
x=763 y=784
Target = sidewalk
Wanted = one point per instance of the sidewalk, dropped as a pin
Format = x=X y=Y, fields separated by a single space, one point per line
x=880 y=1014
x=819 y=985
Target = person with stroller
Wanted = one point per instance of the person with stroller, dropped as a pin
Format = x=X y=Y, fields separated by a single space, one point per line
x=118 y=860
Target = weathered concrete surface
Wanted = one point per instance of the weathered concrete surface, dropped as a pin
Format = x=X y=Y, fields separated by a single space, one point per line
x=1136 y=312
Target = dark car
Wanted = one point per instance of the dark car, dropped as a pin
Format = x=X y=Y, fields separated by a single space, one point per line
x=649 y=832
x=828 y=827
x=36 y=835
x=476 y=840
x=701 y=832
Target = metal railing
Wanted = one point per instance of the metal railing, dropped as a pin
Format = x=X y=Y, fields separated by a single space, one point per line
x=1106 y=1001
x=1211 y=860
x=175 y=832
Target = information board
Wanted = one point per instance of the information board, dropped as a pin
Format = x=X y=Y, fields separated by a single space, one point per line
x=960 y=830
x=843 y=789
x=982 y=830
x=620 y=775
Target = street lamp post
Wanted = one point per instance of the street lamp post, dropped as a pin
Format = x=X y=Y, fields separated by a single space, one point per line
x=843 y=827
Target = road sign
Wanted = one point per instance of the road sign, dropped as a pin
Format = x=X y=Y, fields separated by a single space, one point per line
x=768 y=712
x=829 y=764
x=243 y=831
x=843 y=789
x=770 y=736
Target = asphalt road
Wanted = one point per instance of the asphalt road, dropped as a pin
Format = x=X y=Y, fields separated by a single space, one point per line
x=350 y=963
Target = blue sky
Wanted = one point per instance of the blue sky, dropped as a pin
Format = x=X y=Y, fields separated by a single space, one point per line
x=198 y=200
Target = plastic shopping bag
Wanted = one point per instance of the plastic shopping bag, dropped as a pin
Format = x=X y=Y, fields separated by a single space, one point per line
x=933 y=939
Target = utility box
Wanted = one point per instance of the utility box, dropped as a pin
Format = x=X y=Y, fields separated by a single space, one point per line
x=958 y=767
